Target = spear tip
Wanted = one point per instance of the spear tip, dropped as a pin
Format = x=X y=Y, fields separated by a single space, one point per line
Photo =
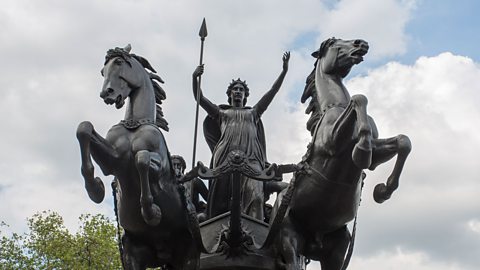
x=203 y=30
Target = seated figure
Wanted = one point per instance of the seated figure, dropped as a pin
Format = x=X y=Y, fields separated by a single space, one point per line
x=195 y=189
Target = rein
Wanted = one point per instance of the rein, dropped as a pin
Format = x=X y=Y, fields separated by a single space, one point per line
x=312 y=171
x=115 y=209
x=349 y=254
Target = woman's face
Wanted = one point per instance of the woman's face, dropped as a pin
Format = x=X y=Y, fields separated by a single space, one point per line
x=237 y=94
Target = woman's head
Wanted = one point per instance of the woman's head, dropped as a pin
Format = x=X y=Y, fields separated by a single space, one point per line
x=238 y=89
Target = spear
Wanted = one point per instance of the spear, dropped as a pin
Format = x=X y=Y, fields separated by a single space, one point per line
x=203 y=33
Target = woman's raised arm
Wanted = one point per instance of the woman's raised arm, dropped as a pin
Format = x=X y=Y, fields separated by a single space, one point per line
x=263 y=103
x=206 y=104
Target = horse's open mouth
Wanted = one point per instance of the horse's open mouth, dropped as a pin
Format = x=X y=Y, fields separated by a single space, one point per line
x=119 y=102
x=358 y=54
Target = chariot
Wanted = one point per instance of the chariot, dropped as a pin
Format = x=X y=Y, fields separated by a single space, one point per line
x=308 y=221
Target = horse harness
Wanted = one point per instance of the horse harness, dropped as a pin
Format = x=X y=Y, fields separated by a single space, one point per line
x=134 y=124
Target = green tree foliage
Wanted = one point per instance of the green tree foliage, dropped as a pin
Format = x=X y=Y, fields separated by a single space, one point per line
x=48 y=244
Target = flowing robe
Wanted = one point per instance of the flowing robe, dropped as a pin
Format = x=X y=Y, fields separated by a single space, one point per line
x=236 y=129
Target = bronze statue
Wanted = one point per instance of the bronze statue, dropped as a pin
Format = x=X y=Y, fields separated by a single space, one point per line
x=161 y=218
x=325 y=194
x=151 y=205
x=237 y=127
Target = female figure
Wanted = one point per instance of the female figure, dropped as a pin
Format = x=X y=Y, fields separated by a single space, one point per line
x=237 y=127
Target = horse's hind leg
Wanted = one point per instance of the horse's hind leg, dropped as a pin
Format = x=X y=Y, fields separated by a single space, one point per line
x=93 y=185
x=150 y=211
x=135 y=254
x=190 y=257
x=384 y=150
x=287 y=245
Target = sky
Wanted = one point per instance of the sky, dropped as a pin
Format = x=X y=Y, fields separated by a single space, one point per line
x=420 y=77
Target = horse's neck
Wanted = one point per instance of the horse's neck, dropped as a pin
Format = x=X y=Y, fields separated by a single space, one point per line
x=330 y=89
x=141 y=103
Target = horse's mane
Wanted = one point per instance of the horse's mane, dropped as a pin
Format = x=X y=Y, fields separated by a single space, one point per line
x=313 y=107
x=310 y=91
x=160 y=94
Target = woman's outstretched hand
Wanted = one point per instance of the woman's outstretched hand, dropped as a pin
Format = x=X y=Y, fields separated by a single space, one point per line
x=286 y=58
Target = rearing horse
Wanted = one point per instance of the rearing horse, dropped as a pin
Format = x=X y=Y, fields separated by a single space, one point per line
x=326 y=195
x=151 y=207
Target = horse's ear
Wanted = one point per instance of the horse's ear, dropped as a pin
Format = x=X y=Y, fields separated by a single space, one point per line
x=128 y=48
x=325 y=44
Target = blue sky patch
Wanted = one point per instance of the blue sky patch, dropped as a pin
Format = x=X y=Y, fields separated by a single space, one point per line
x=440 y=26
x=304 y=40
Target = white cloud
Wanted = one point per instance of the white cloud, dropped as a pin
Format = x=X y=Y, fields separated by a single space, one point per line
x=382 y=24
x=397 y=259
x=400 y=260
x=474 y=225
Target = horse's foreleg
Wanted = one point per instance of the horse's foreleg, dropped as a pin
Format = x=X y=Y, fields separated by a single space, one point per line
x=150 y=211
x=362 y=152
x=384 y=150
x=93 y=185
x=355 y=119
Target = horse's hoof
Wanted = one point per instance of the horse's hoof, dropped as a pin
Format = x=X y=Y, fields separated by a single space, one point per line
x=380 y=193
x=95 y=189
x=154 y=215
x=362 y=157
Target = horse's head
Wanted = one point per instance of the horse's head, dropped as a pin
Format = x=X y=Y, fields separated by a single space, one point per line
x=337 y=56
x=122 y=74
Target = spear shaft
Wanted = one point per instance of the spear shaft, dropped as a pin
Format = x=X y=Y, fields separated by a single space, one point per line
x=202 y=34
